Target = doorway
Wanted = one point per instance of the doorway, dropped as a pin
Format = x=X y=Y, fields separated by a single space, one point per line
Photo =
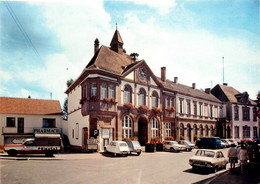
x=142 y=131
x=20 y=127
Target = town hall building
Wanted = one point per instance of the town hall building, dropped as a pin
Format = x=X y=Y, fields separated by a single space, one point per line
x=117 y=96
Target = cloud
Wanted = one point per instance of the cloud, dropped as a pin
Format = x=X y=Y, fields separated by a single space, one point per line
x=163 y=7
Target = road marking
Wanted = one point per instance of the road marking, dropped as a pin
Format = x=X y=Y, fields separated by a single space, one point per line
x=139 y=177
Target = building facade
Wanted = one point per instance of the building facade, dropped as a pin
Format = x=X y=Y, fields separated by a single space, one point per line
x=117 y=96
x=240 y=111
x=21 y=118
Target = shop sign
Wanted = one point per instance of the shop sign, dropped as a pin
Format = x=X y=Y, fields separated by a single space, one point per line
x=92 y=146
x=47 y=130
x=92 y=141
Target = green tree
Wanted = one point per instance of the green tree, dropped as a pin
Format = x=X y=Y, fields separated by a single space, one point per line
x=65 y=105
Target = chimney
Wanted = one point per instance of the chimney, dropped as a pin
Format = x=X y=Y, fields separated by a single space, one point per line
x=193 y=85
x=96 y=45
x=163 y=73
x=29 y=96
x=176 y=80
x=207 y=90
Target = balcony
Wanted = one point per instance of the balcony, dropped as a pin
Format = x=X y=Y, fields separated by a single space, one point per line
x=98 y=106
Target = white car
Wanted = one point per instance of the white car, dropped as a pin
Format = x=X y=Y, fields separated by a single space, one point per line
x=189 y=146
x=134 y=147
x=211 y=159
x=117 y=148
x=173 y=146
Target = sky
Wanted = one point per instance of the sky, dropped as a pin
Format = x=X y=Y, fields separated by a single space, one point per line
x=44 y=43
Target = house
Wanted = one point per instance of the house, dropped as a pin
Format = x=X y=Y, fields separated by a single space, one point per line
x=21 y=118
x=241 y=111
x=118 y=97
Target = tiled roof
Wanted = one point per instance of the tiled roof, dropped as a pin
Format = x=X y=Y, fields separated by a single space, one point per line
x=187 y=90
x=116 y=38
x=29 y=106
x=110 y=60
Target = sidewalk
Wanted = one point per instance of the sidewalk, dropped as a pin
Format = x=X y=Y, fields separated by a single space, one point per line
x=252 y=175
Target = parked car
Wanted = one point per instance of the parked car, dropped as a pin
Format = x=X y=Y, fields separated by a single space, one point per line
x=189 y=146
x=223 y=144
x=134 y=147
x=173 y=146
x=47 y=144
x=208 y=142
x=117 y=148
x=227 y=142
x=211 y=159
x=233 y=142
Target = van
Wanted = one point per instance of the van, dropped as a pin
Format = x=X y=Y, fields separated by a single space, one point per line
x=208 y=142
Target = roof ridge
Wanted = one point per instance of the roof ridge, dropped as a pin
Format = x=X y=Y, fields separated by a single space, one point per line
x=29 y=98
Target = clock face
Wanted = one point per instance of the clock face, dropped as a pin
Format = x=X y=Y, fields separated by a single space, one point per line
x=142 y=73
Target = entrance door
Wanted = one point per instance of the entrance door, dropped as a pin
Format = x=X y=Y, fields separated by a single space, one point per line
x=20 y=127
x=85 y=138
x=142 y=131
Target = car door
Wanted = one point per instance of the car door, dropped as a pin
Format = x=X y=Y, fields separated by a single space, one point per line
x=219 y=158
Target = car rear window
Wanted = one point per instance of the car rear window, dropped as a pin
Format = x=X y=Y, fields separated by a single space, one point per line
x=204 y=153
x=123 y=144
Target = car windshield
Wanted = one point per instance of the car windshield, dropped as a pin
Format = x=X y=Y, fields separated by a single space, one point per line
x=123 y=144
x=135 y=143
x=205 y=153
x=174 y=142
x=188 y=142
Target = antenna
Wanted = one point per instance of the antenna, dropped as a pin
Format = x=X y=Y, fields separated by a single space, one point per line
x=223 y=68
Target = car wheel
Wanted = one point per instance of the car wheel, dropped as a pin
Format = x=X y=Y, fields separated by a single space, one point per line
x=172 y=150
x=12 y=153
x=187 y=149
x=139 y=153
x=215 y=169
x=225 y=166
x=194 y=167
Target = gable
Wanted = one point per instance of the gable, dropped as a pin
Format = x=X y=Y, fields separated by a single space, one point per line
x=130 y=76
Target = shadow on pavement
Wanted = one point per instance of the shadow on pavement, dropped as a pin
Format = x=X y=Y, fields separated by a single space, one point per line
x=201 y=171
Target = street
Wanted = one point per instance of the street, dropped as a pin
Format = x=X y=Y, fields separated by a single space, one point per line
x=159 y=167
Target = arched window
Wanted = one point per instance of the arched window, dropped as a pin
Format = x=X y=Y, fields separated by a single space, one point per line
x=211 y=131
x=127 y=94
x=154 y=100
x=206 y=131
x=195 y=130
x=127 y=127
x=189 y=132
x=182 y=130
x=141 y=97
x=201 y=130
x=154 y=129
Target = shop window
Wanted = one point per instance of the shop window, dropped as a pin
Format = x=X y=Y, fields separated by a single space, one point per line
x=127 y=127
x=127 y=94
x=167 y=129
x=10 y=122
x=49 y=123
x=154 y=128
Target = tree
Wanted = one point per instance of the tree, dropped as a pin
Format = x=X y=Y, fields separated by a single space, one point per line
x=65 y=105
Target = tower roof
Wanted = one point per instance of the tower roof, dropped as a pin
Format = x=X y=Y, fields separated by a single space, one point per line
x=116 y=38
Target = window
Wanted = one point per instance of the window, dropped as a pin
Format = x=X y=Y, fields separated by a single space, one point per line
x=189 y=132
x=166 y=102
x=168 y=129
x=200 y=109
x=93 y=89
x=206 y=131
x=246 y=113
x=236 y=113
x=206 y=110
x=127 y=127
x=72 y=133
x=212 y=131
x=103 y=91
x=254 y=114
x=83 y=91
x=246 y=131
x=236 y=131
x=141 y=97
x=154 y=123
x=255 y=132
x=195 y=130
x=49 y=123
x=171 y=102
x=154 y=100
x=201 y=130
x=77 y=131
x=211 y=111
x=181 y=130
x=195 y=108
x=181 y=106
x=111 y=91
x=188 y=107
x=127 y=96
x=10 y=122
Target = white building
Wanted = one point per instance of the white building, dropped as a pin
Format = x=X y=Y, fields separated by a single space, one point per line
x=21 y=118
